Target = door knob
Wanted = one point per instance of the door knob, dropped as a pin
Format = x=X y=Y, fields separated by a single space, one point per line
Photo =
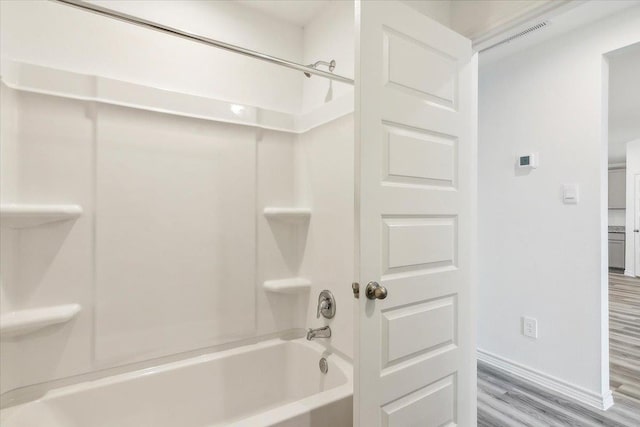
x=375 y=291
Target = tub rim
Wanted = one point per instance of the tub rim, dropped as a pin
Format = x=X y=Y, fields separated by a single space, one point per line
x=266 y=417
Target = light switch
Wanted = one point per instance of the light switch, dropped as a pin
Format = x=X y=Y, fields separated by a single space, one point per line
x=570 y=194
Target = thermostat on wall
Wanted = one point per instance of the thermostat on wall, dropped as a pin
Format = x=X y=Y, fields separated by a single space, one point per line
x=528 y=161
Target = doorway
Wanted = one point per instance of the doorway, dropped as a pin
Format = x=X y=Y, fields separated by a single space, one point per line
x=623 y=158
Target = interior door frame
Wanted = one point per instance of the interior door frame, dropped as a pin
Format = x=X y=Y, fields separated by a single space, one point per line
x=636 y=224
x=604 y=223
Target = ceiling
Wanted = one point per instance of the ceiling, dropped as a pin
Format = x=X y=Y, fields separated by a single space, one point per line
x=568 y=15
x=298 y=12
x=468 y=17
x=624 y=100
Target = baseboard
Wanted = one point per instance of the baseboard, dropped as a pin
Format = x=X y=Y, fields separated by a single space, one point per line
x=556 y=385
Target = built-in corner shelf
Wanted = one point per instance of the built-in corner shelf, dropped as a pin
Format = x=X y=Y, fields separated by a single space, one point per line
x=292 y=285
x=22 y=322
x=33 y=215
x=288 y=214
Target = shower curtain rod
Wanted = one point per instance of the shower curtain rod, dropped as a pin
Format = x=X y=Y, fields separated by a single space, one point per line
x=205 y=40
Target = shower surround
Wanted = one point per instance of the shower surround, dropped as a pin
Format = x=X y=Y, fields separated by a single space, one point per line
x=154 y=185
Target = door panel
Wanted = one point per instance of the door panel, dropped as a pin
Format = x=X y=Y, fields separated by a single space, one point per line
x=419 y=158
x=416 y=154
x=430 y=406
x=417 y=242
x=417 y=67
x=432 y=324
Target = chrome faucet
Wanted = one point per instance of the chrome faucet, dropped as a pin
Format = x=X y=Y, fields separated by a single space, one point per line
x=324 y=332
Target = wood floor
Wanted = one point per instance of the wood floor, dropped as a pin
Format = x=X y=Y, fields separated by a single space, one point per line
x=624 y=335
x=504 y=400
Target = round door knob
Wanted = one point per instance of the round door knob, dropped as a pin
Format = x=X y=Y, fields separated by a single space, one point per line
x=375 y=291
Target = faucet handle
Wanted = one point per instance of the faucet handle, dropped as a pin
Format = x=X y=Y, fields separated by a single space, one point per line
x=326 y=305
x=323 y=305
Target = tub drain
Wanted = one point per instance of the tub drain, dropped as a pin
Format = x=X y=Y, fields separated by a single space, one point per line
x=324 y=365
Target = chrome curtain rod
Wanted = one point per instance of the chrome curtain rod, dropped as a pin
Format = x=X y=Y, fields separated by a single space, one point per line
x=204 y=40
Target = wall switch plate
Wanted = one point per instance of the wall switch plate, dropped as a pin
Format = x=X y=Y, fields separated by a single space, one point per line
x=530 y=327
x=570 y=193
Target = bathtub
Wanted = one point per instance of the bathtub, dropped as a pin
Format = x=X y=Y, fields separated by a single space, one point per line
x=272 y=383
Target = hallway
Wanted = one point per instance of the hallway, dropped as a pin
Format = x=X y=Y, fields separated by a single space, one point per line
x=504 y=400
x=624 y=335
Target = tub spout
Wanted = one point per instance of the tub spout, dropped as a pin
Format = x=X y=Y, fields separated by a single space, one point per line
x=324 y=332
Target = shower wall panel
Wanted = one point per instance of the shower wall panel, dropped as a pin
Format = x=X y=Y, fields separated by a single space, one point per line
x=50 y=264
x=278 y=254
x=163 y=259
x=325 y=182
x=172 y=249
x=175 y=233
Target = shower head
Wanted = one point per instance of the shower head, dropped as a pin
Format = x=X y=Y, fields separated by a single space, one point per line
x=331 y=65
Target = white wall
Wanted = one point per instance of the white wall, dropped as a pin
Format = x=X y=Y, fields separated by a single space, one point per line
x=633 y=169
x=59 y=36
x=624 y=100
x=537 y=256
x=330 y=35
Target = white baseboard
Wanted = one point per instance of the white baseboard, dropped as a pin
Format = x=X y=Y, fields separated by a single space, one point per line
x=556 y=385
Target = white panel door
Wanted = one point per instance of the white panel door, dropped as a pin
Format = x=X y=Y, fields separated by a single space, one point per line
x=416 y=154
x=636 y=228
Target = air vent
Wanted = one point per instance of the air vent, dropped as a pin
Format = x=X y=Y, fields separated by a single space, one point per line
x=520 y=34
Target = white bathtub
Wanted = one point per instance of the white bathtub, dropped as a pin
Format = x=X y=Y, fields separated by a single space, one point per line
x=272 y=383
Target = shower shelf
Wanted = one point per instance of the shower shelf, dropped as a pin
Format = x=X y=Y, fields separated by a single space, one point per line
x=288 y=214
x=22 y=322
x=32 y=215
x=293 y=285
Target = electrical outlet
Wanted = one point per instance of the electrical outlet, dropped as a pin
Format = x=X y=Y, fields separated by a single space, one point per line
x=530 y=327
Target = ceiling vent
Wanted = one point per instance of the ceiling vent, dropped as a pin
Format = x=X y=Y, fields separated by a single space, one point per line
x=522 y=33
